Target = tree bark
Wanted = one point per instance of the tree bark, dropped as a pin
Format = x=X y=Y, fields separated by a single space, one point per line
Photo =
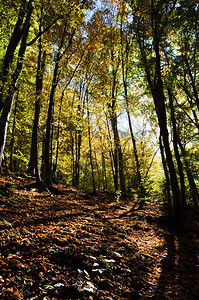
x=114 y=160
x=13 y=133
x=47 y=163
x=157 y=91
x=118 y=157
x=167 y=185
x=104 y=177
x=90 y=149
x=34 y=154
x=98 y=172
x=141 y=187
x=13 y=43
x=78 y=148
x=125 y=56
x=46 y=172
x=105 y=185
x=79 y=142
x=7 y=108
x=177 y=154
x=159 y=101
x=57 y=138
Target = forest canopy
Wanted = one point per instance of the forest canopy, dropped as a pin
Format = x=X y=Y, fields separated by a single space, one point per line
x=103 y=95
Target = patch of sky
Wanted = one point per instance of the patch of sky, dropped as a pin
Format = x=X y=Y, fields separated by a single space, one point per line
x=89 y=14
x=137 y=123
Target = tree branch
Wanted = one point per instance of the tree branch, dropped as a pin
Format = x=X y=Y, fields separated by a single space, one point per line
x=42 y=32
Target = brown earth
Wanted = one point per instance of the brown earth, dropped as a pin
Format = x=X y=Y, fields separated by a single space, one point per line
x=83 y=246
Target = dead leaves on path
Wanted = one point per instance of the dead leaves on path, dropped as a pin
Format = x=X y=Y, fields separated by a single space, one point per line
x=76 y=246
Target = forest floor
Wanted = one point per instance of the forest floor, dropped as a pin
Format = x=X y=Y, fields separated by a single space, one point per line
x=81 y=246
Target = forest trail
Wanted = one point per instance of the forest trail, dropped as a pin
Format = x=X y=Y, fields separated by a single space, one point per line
x=84 y=246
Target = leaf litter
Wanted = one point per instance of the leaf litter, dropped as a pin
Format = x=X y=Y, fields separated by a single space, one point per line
x=81 y=246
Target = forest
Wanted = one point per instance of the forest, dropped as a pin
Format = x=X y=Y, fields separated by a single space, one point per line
x=99 y=149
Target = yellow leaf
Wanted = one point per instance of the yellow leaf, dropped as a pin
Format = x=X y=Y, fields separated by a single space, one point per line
x=10 y=255
x=16 y=293
x=27 y=279
x=27 y=240
x=9 y=290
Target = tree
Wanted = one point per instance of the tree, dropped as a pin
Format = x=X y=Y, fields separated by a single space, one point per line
x=67 y=33
x=34 y=155
x=20 y=32
x=150 y=23
x=13 y=133
x=46 y=171
x=82 y=73
x=126 y=51
x=21 y=26
x=9 y=98
x=118 y=157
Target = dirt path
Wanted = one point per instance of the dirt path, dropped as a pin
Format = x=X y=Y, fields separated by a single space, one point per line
x=80 y=246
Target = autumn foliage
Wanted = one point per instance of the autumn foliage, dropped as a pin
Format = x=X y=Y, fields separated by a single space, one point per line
x=99 y=156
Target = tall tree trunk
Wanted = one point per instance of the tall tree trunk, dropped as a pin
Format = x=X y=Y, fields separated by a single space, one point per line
x=13 y=132
x=78 y=146
x=7 y=108
x=75 y=135
x=34 y=154
x=47 y=164
x=104 y=177
x=57 y=138
x=77 y=153
x=121 y=172
x=98 y=172
x=17 y=34
x=177 y=154
x=79 y=142
x=90 y=149
x=159 y=101
x=46 y=172
x=141 y=187
x=157 y=90
x=118 y=157
x=76 y=156
x=114 y=160
x=125 y=56
x=51 y=143
x=105 y=185
x=113 y=170
x=167 y=185
x=73 y=157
